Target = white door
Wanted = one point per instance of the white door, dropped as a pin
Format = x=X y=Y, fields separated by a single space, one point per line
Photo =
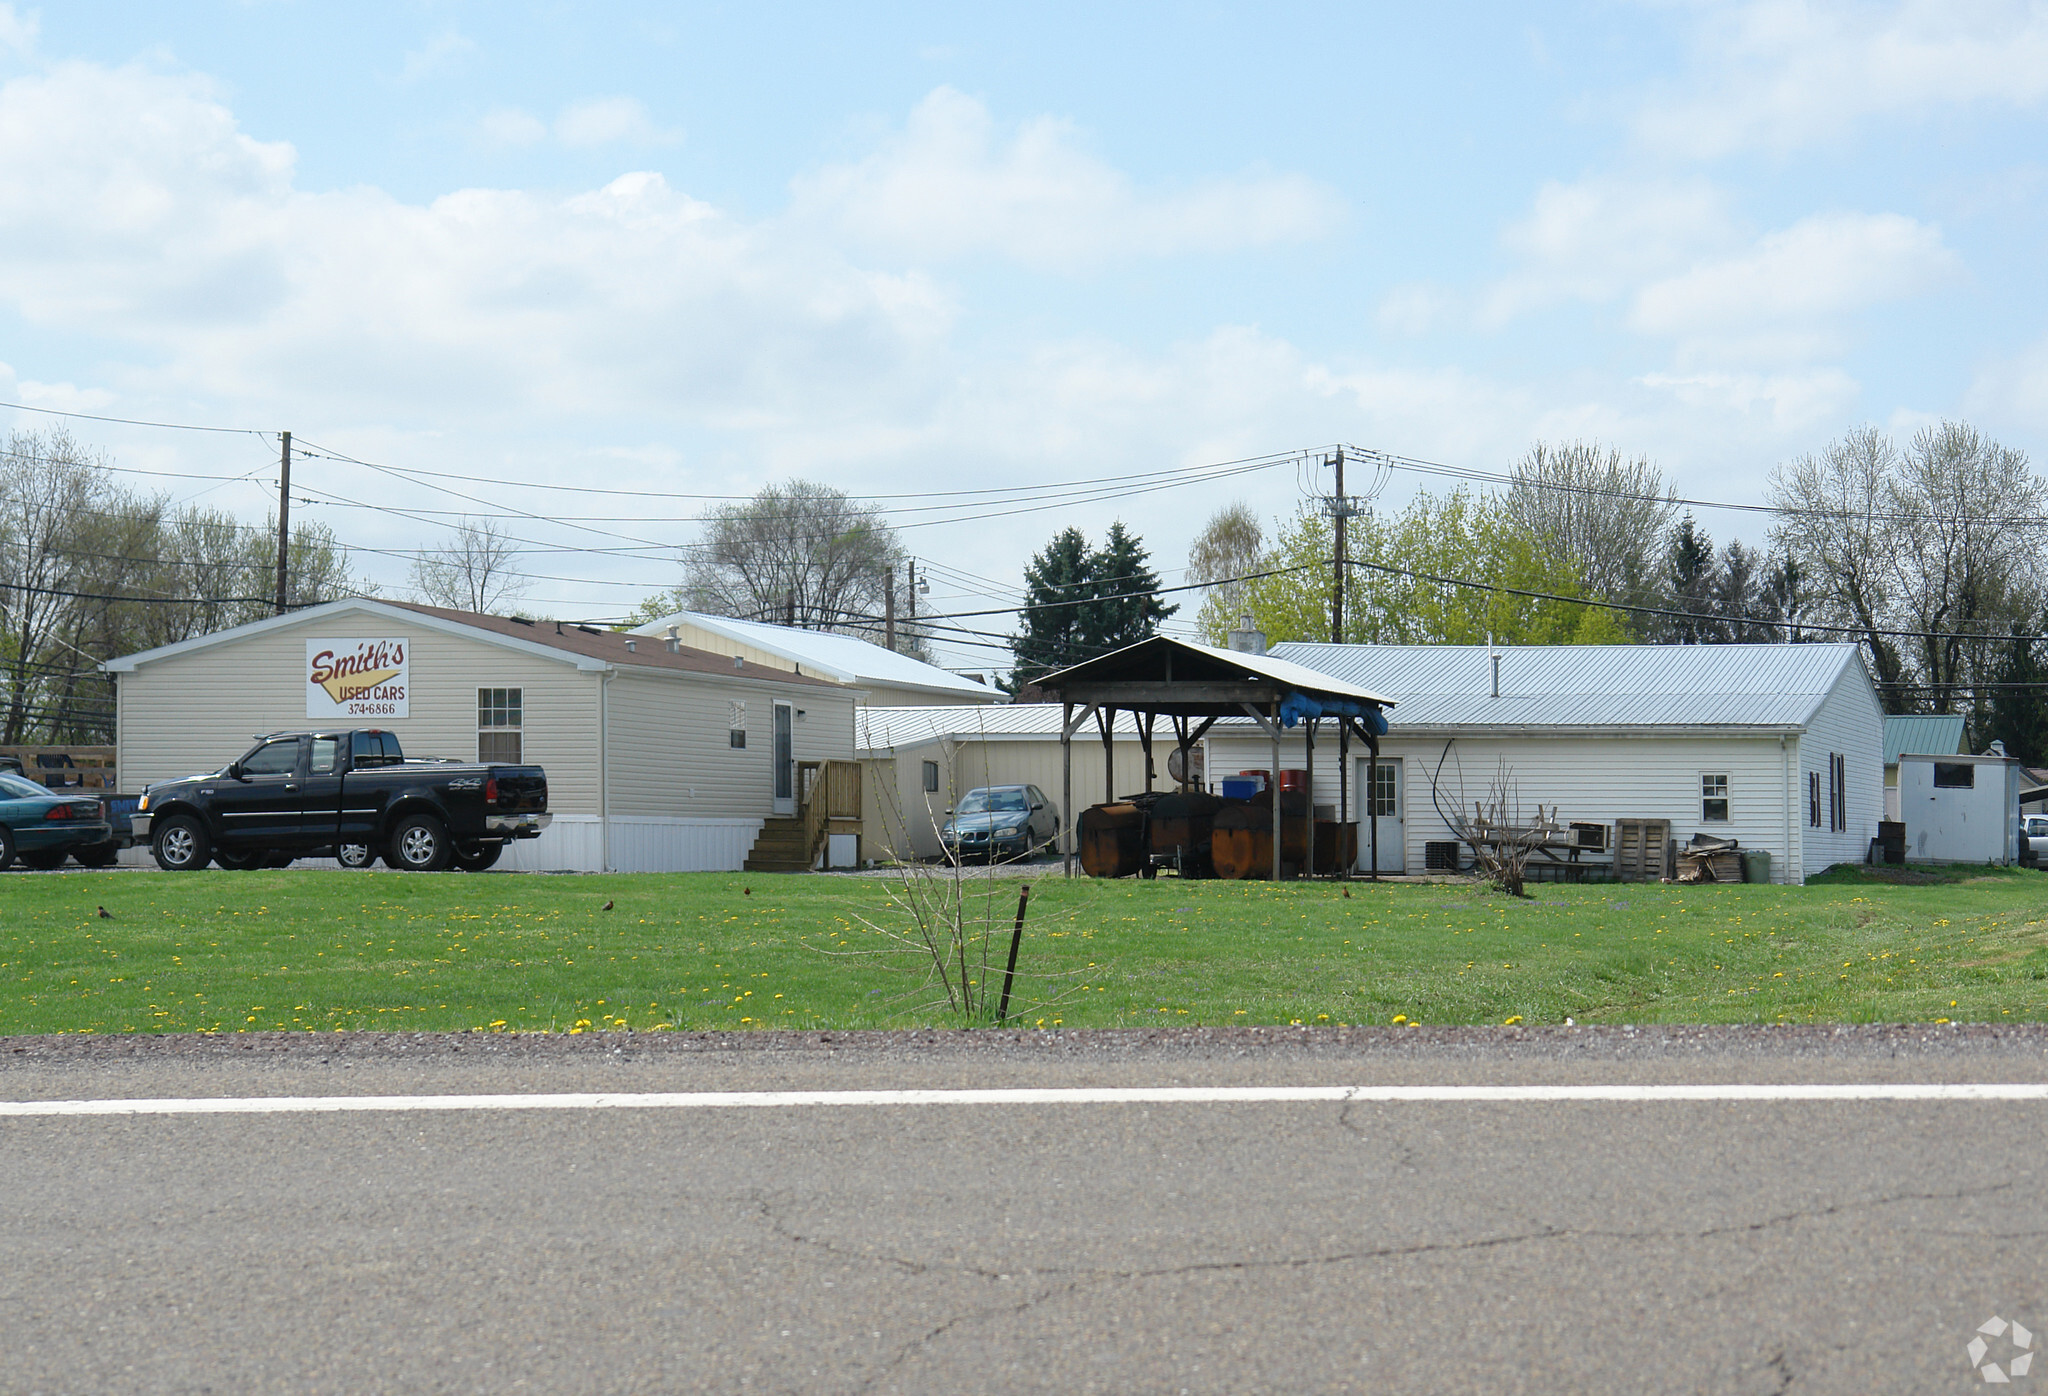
x=1381 y=807
x=785 y=759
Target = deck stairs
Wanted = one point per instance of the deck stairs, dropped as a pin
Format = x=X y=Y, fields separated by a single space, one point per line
x=783 y=846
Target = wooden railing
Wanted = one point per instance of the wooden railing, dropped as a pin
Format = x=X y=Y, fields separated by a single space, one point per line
x=828 y=793
x=64 y=767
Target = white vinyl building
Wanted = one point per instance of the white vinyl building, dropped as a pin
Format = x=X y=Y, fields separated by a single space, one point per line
x=1780 y=747
x=879 y=676
x=917 y=762
x=660 y=757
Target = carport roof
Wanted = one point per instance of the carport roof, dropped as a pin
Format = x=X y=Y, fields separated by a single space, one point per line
x=1180 y=678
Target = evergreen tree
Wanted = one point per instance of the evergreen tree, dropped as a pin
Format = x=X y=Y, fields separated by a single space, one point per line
x=1053 y=633
x=1126 y=608
x=1690 y=581
x=2019 y=705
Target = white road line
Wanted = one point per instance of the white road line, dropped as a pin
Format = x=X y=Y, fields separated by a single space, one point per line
x=1051 y=1095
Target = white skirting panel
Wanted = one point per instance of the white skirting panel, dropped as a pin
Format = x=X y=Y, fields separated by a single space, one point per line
x=575 y=843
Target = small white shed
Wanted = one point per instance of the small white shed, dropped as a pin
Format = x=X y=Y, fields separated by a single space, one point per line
x=1959 y=808
x=1780 y=747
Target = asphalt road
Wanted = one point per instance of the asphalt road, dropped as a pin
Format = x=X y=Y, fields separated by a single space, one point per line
x=1757 y=1246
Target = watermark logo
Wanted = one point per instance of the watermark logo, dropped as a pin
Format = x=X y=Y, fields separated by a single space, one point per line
x=2017 y=1361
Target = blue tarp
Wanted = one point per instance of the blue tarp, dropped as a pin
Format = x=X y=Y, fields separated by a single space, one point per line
x=1299 y=707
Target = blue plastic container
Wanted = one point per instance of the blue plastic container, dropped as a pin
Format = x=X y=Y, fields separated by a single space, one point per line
x=1240 y=788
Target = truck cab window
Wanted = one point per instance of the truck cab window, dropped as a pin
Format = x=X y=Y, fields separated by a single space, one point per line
x=273 y=759
x=325 y=750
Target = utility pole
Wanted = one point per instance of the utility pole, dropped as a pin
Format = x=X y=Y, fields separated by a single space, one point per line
x=889 y=608
x=1337 y=583
x=284 y=522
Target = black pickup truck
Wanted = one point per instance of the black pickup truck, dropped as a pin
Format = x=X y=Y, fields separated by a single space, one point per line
x=350 y=795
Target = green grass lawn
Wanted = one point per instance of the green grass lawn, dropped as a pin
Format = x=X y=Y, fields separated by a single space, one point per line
x=232 y=952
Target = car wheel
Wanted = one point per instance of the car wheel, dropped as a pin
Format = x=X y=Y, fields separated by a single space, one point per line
x=97 y=855
x=237 y=862
x=44 y=859
x=354 y=855
x=478 y=856
x=6 y=848
x=181 y=844
x=419 y=844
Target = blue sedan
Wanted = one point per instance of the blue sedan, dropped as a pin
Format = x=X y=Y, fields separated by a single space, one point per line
x=43 y=826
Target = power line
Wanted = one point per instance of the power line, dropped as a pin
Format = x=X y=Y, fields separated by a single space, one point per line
x=130 y=421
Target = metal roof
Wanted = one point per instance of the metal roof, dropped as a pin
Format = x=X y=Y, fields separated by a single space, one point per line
x=877 y=729
x=1590 y=686
x=847 y=658
x=1937 y=734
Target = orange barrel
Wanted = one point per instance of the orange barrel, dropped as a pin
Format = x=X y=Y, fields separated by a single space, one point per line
x=1293 y=780
x=1112 y=840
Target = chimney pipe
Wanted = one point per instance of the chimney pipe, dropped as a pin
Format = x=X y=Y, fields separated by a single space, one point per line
x=1496 y=673
x=1248 y=638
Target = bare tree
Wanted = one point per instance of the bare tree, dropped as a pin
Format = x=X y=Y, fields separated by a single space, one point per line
x=1595 y=515
x=1229 y=545
x=470 y=572
x=1836 y=525
x=799 y=554
x=48 y=485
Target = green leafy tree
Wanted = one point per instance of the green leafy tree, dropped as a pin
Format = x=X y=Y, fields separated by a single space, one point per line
x=1229 y=546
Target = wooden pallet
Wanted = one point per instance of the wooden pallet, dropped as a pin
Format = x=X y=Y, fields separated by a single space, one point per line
x=1642 y=850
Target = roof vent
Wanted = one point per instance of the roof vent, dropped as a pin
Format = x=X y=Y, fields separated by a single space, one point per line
x=1248 y=638
x=675 y=641
x=1494 y=661
x=738 y=662
x=632 y=646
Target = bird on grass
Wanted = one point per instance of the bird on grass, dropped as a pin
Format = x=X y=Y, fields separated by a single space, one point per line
x=746 y=891
x=606 y=907
x=106 y=915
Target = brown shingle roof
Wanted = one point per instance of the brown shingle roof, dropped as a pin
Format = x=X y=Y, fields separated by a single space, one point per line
x=610 y=646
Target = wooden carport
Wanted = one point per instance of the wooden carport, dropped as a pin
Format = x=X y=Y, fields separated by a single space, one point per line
x=1194 y=685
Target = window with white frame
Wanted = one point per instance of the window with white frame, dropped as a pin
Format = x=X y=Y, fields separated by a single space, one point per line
x=737 y=733
x=1714 y=798
x=500 y=721
x=1384 y=792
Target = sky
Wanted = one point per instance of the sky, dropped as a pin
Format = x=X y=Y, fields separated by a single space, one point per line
x=954 y=259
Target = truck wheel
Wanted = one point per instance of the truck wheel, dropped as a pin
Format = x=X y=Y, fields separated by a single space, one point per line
x=237 y=862
x=354 y=855
x=6 y=848
x=478 y=856
x=419 y=844
x=181 y=844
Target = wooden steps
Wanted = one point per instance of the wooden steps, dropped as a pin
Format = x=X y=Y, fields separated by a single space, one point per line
x=780 y=847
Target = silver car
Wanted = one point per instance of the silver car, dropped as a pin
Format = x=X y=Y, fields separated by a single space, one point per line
x=1000 y=821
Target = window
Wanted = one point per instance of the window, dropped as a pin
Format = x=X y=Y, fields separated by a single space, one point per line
x=1383 y=792
x=273 y=759
x=1714 y=799
x=1813 y=799
x=370 y=749
x=500 y=718
x=1838 y=792
x=325 y=749
x=931 y=776
x=1955 y=775
x=738 y=739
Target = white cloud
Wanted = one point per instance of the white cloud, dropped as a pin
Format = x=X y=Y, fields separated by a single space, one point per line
x=1598 y=238
x=1794 y=401
x=609 y=121
x=950 y=186
x=18 y=31
x=446 y=50
x=1415 y=308
x=1787 y=74
x=510 y=126
x=2012 y=388
x=1799 y=282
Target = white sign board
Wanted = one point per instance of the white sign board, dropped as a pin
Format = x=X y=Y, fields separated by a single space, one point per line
x=357 y=678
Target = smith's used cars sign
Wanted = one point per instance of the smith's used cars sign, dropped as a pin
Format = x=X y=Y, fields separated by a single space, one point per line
x=356 y=678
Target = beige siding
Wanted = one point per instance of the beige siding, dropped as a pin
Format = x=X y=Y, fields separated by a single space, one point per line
x=198 y=711
x=1591 y=779
x=910 y=813
x=671 y=750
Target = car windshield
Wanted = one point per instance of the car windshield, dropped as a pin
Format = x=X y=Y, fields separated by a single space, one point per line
x=17 y=788
x=993 y=802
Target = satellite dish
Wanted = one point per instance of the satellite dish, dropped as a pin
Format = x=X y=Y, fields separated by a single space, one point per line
x=1188 y=773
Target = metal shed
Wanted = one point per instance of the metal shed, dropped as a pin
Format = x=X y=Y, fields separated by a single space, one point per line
x=1193 y=686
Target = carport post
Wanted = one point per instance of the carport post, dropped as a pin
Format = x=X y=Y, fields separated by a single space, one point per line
x=1276 y=789
x=1067 y=789
x=1105 y=721
x=1372 y=805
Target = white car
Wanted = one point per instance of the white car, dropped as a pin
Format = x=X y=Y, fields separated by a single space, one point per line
x=2034 y=835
